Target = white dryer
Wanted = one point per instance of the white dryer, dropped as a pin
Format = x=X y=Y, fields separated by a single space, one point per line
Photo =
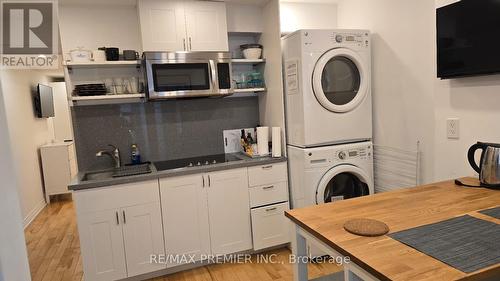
x=330 y=173
x=327 y=87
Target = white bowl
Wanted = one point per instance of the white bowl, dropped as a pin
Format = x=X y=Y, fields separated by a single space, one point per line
x=252 y=53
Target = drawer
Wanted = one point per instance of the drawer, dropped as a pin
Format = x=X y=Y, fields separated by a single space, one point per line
x=116 y=196
x=267 y=174
x=270 y=227
x=268 y=194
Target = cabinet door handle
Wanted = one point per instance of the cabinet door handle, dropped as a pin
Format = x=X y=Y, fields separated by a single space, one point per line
x=271 y=209
x=124 y=217
x=268 y=187
x=190 y=46
x=184 y=43
x=209 y=181
x=267 y=167
x=203 y=177
x=117 y=219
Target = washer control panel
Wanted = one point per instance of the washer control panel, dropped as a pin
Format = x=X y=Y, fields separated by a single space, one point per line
x=358 y=39
x=362 y=153
x=321 y=157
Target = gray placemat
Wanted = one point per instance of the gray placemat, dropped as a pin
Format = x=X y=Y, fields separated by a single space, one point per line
x=493 y=212
x=465 y=243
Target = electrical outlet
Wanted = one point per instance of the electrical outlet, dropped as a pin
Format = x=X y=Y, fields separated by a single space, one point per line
x=453 y=128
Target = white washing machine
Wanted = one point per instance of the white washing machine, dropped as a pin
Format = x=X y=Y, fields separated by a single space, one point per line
x=330 y=173
x=327 y=87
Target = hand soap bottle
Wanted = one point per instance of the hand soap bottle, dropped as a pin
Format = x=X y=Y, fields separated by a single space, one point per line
x=135 y=155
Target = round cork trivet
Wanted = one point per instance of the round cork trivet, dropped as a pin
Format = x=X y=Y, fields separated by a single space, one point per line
x=366 y=227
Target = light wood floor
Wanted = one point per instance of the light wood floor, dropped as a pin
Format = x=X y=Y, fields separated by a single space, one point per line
x=54 y=254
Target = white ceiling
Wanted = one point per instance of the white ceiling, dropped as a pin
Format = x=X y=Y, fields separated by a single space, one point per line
x=133 y=2
x=253 y=2
x=99 y=2
x=312 y=1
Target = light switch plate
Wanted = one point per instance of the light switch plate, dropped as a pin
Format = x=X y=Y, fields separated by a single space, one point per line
x=453 y=128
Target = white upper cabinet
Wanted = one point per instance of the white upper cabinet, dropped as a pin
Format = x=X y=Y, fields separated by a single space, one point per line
x=183 y=25
x=206 y=26
x=229 y=211
x=163 y=25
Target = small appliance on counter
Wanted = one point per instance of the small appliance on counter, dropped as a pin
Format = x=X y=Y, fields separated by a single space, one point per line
x=489 y=164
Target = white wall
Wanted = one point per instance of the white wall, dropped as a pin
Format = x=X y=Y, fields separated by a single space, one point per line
x=13 y=254
x=243 y=18
x=476 y=101
x=403 y=66
x=410 y=103
x=295 y=16
x=94 y=26
x=272 y=110
x=27 y=133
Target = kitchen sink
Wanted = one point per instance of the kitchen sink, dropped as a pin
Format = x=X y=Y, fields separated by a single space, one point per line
x=124 y=171
x=102 y=175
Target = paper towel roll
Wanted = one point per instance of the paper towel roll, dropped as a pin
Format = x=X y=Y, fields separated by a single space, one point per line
x=276 y=139
x=263 y=140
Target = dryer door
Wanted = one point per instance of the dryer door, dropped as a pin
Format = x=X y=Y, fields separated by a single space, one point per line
x=342 y=182
x=340 y=80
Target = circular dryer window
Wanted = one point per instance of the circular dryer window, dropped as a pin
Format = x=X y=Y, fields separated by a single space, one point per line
x=340 y=80
x=342 y=183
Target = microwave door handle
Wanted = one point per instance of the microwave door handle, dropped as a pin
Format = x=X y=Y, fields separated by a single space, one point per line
x=213 y=74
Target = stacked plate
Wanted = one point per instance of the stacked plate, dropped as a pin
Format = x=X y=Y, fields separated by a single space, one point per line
x=90 y=90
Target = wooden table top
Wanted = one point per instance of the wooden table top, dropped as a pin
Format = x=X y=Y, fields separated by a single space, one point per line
x=384 y=257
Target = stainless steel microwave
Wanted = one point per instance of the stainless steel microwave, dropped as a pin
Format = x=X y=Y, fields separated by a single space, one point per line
x=172 y=75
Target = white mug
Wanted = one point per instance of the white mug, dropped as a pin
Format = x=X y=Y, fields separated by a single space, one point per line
x=99 y=55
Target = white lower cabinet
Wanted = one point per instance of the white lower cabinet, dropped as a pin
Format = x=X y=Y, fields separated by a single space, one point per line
x=229 y=211
x=181 y=218
x=185 y=218
x=206 y=214
x=143 y=237
x=101 y=243
x=270 y=227
x=120 y=227
x=269 y=201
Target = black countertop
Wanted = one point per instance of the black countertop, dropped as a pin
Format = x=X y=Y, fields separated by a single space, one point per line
x=78 y=184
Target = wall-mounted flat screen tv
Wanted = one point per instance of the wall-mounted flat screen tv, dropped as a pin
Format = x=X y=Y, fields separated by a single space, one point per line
x=44 y=101
x=468 y=38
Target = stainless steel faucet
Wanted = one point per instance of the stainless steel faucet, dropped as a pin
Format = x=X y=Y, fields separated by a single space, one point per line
x=114 y=154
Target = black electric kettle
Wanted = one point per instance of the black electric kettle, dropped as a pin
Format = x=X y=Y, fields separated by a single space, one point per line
x=489 y=165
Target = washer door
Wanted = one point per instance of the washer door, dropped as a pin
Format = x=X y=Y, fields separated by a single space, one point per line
x=342 y=182
x=340 y=80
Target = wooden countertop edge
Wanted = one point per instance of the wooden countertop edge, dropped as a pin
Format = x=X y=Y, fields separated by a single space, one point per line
x=341 y=251
x=488 y=272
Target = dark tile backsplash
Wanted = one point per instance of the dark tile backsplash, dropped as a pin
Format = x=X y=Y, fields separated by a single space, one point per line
x=163 y=130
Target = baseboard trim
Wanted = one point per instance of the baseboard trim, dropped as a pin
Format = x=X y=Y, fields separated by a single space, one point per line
x=34 y=213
